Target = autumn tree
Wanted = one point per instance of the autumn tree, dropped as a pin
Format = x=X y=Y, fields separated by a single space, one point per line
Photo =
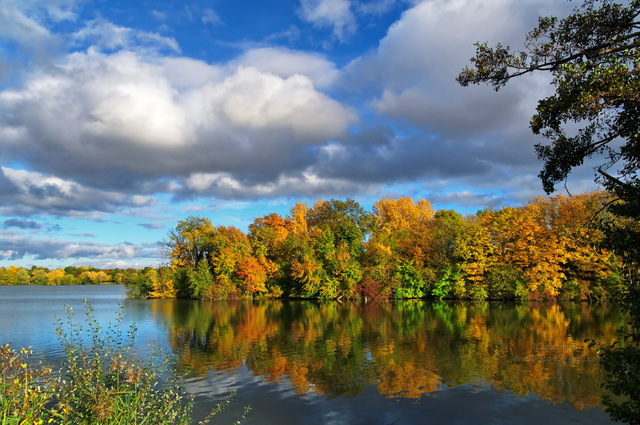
x=325 y=247
x=575 y=224
x=39 y=276
x=229 y=247
x=442 y=257
x=200 y=281
x=401 y=239
x=253 y=275
x=403 y=224
x=267 y=236
x=55 y=276
x=14 y=275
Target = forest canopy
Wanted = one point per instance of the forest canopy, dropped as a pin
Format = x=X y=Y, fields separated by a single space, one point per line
x=549 y=248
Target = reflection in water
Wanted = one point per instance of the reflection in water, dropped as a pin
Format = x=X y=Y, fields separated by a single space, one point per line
x=403 y=349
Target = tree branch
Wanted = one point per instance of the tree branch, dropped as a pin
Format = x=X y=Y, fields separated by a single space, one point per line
x=590 y=53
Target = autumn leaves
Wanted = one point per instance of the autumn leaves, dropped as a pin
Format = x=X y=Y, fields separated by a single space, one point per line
x=547 y=248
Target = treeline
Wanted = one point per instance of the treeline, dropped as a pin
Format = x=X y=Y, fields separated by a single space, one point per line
x=546 y=249
x=14 y=275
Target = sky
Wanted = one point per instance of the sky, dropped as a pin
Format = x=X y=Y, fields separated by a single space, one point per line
x=118 y=118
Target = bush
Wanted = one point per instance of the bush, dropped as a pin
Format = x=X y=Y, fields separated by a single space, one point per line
x=100 y=381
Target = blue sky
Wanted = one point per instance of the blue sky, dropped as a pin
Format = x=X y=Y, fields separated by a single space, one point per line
x=119 y=118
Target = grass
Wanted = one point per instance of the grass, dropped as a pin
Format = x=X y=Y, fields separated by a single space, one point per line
x=100 y=382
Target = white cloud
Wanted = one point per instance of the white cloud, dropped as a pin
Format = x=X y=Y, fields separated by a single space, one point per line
x=209 y=16
x=336 y=14
x=106 y=35
x=285 y=63
x=120 y=121
x=255 y=100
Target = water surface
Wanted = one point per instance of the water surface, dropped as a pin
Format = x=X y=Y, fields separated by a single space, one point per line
x=389 y=362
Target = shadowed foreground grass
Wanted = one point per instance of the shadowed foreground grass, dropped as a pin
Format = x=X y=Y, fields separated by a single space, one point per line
x=99 y=381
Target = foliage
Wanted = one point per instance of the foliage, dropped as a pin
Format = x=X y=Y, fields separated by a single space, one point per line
x=410 y=282
x=444 y=287
x=505 y=282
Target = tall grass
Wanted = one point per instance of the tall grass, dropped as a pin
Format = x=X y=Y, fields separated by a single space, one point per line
x=99 y=382
x=25 y=389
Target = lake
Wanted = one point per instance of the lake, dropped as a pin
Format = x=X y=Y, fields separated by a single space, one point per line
x=329 y=362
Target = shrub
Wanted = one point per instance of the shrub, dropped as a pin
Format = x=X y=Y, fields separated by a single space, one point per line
x=100 y=382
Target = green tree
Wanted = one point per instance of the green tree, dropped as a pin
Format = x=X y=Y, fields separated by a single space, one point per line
x=189 y=242
x=347 y=220
x=200 y=279
x=594 y=59
x=39 y=276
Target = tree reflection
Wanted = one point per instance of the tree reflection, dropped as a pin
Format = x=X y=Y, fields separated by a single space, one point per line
x=403 y=348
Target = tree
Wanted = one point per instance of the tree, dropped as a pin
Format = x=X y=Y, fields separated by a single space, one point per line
x=253 y=275
x=39 y=276
x=55 y=276
x=200 y=280
x=347 y=221
x=593 y=57
x=189 y=242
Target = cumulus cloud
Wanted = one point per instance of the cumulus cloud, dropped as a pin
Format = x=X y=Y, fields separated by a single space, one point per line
x=441 y=130
x=116 y=121
x=258 y=101
x=286 y=63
